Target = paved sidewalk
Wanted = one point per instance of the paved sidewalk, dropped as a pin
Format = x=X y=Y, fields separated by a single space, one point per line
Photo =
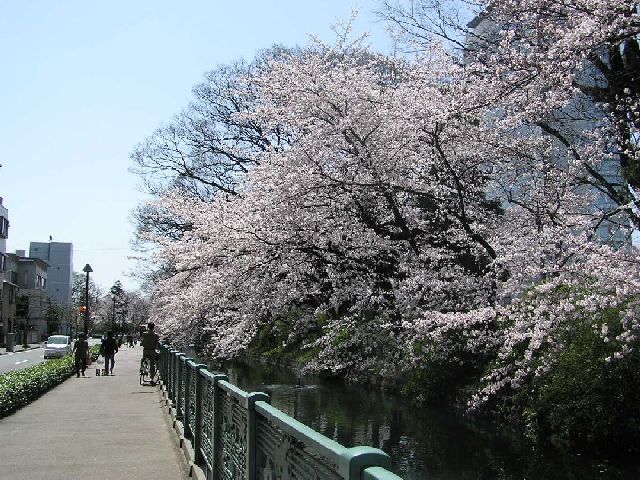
x=97 y=428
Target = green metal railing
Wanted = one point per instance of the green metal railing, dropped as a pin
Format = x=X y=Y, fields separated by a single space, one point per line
x=239 y=435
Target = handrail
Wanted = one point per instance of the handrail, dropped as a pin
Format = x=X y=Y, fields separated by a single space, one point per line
x=240 y=432
x=300 y=431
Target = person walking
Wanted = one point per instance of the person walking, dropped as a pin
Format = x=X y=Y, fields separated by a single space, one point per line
x=80 y=350
x=150 y=343
x=109 y=350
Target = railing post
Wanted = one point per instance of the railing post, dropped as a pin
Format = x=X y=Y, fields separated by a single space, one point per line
x=164 y=352
x=197 y=435
x=172 y=375
x=185 y=385
x=159 y=366
x=187 y=397
x=174 y=378
x=354 y=460
x=178 y=397
x=251 y=431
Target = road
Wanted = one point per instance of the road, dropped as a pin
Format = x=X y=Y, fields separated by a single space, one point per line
x=27 y=358
x=19 y=360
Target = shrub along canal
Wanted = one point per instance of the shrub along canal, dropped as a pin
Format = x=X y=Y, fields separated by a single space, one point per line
x=423 y=442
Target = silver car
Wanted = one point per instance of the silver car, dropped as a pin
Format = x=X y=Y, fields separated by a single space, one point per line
x=57 y=346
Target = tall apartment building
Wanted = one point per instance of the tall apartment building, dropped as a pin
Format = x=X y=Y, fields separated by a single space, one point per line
x=59 y=256
x=581 y=114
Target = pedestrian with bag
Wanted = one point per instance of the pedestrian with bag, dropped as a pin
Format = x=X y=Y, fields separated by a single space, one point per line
x=80 y=351
x=109 y=349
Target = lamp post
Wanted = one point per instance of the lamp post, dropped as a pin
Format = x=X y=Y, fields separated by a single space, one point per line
x=113 y=315
x=87 y=269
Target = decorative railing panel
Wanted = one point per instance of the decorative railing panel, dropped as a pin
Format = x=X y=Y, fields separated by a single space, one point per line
x=191 y=395
x=207 y=418
x=280 y=455
x=232 y=443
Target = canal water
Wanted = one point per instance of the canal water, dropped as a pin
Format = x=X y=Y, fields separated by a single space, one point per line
x=424 y=443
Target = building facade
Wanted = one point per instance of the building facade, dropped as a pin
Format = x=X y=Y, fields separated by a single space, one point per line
x=5 y=315
x=9 y=296
x=59 y=257
x=31 y=302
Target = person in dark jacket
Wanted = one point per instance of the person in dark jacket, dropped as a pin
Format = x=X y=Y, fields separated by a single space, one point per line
x=109 y=349
x=150 y=343
x=81 y=350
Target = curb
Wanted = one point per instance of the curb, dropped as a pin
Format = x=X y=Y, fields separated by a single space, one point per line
x=185 y=445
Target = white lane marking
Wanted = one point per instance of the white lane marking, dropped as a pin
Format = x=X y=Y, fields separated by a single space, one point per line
x=21 y=361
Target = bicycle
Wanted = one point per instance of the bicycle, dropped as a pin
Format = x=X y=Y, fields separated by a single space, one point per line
x=145 y=373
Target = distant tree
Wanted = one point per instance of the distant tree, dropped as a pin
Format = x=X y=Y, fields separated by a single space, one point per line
x=78 y=286
x=55 y=316
x=22 y=306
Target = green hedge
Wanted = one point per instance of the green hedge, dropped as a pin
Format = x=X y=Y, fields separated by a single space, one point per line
x=586 y=401
x=20 y=387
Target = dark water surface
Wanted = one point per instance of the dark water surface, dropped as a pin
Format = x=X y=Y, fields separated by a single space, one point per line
x=424 y=443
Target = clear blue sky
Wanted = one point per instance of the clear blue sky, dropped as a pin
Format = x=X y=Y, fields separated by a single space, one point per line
x=83 y=81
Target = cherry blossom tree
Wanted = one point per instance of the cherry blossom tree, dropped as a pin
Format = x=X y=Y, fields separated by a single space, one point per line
x=379 y=205
x=392 y=213
x=565 y=74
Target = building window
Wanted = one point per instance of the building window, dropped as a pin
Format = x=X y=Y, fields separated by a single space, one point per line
x=4 y=227
x=3 y=262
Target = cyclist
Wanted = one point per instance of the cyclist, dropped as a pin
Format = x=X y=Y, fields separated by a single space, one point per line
x=150 y=343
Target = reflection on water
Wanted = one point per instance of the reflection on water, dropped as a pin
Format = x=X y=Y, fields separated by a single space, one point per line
x=424 y=443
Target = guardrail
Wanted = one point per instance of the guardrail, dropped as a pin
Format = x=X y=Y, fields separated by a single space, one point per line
x=239 y=435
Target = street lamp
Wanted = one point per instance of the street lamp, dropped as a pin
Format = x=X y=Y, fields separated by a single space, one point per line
x=87 y=269
x=113 y=314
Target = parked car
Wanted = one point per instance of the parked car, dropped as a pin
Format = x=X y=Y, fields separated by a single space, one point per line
x=57 y=346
